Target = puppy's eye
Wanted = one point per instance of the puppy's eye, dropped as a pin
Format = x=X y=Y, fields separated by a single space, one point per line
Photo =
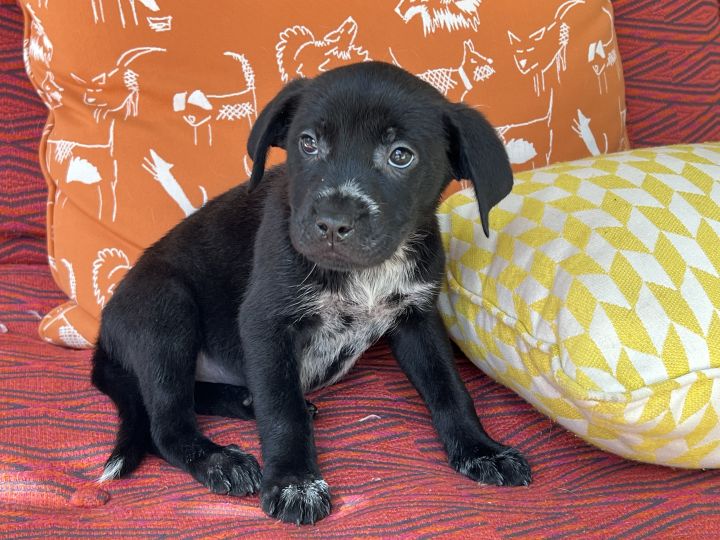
x=308 y=144
x=401 y=157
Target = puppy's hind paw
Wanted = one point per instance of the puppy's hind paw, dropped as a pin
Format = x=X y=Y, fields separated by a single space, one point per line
x=229 y=471
x=302 y=503
x=505 y=468
x=311 y=409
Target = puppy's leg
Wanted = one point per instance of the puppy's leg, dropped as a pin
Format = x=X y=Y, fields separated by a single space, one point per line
x=178 y=439
x=162 y=341
x=292 y=488
x=423 y=351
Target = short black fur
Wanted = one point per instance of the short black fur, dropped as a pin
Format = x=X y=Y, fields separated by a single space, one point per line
x=275 y=287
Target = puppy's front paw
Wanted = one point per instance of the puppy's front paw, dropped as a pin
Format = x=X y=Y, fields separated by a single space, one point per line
x=301 y=501
x=228 y=471
x=503 y=467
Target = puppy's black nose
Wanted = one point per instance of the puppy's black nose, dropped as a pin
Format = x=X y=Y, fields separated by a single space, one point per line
x=335 y=228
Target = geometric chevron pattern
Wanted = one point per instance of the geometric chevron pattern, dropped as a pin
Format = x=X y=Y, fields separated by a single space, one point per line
x=598 y=298
x=377 y=450
x=670 y=51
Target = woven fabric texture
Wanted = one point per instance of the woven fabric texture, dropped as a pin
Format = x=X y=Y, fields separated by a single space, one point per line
x=377 y=449
x=23 y=195
x=670 y=51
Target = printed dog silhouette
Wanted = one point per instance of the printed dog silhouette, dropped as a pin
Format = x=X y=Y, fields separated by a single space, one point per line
x=543 y=48
x=454 y=83
x=201 y=110
x=447 y=15
x=299 y=54
x=73 y=164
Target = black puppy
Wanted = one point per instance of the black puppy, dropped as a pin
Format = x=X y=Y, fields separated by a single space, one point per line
x=276 y=287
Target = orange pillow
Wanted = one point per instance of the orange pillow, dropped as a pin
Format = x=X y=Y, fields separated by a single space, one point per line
x=151 y=102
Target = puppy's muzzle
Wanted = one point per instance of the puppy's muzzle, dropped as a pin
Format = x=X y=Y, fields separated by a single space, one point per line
x=335 y=231
x=335 y=219
x=334 y=228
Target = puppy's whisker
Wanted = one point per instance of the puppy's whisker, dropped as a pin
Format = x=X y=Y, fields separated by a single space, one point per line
x=314 y=266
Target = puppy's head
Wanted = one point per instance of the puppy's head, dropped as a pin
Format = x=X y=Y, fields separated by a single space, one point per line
x=370 y=149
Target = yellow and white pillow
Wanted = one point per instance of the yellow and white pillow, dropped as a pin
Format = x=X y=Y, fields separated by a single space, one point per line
x=597 y=298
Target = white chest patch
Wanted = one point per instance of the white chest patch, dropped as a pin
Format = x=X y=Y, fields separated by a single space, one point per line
x=353 y=318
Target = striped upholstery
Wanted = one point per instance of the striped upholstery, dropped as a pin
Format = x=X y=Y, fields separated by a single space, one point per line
x=671 y=60
x=377 y=449
x=22 y=116
x=376 y=445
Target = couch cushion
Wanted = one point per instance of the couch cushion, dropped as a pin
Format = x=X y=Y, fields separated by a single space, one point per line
x=151 y=102
x=597 y=298
x=377 y=449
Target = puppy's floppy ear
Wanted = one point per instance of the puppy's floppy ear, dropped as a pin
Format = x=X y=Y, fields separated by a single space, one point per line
x=477 y=154
x=271 y=127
